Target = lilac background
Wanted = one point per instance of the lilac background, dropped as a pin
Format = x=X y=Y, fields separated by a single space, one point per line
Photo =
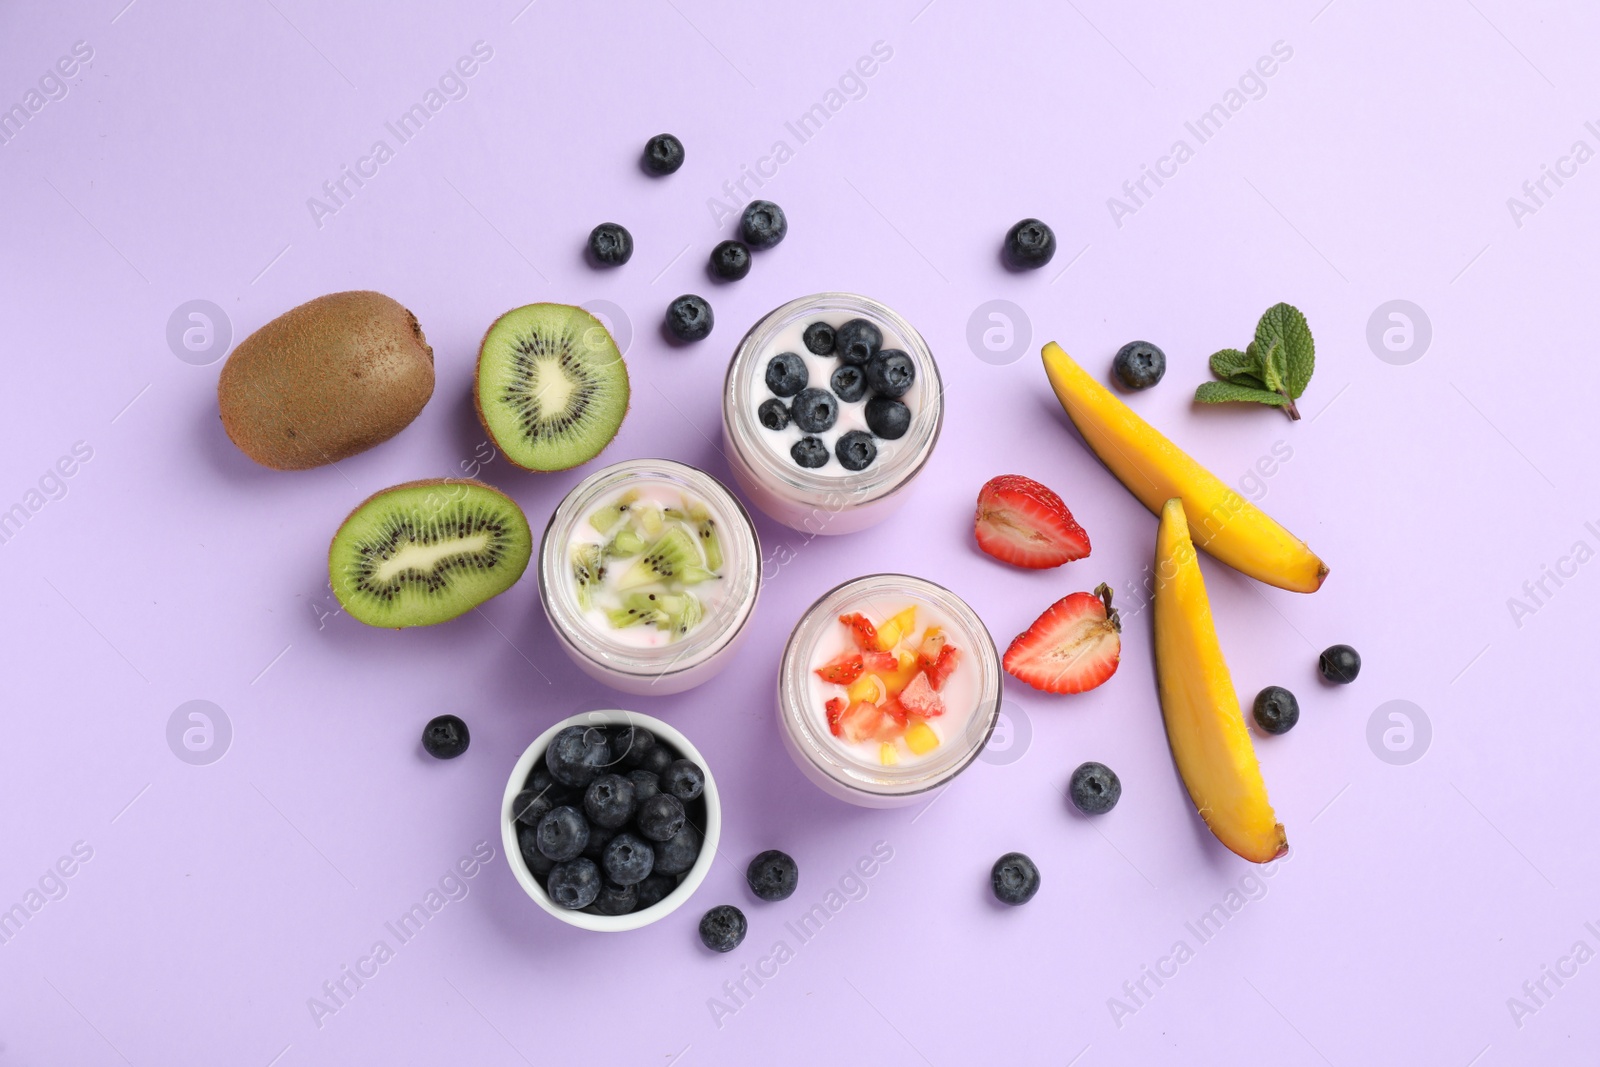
x=1377 y=165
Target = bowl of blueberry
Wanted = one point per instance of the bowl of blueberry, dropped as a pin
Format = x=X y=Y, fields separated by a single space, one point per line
x=610 y=820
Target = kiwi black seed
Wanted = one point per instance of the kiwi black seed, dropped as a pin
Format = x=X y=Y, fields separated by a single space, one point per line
x=424 y=552
x=551 y=388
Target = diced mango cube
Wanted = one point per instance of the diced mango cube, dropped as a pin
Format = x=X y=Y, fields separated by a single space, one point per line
x=869 y=688
x=898 y=628
x=921 y=739
x=888 y=755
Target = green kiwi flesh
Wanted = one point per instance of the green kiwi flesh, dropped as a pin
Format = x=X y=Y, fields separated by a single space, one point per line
x=425 y=552
x=551 y=387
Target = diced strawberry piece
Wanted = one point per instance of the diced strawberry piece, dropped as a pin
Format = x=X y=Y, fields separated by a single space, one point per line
x=1024 y=523
x=835 y=710
x=862 y=631
x=842 y=669
x=880 y=662
x=863 y=721
x=941 y=669
x=896 y=711
x=920 y=700
x=933 y=642
x=1073 y=647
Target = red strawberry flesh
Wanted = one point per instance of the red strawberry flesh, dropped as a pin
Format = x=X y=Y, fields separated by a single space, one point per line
x=1026 y=524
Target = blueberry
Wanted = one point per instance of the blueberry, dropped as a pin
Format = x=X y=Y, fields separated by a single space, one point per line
x=763 y=224
x=576 y=755
x=809 y=452
x=663 y=154
x=654 y=889
x=614 y=899
x=628 y=859
x=890 y=373
x=563 y=833
x=610 y=244
x=819 y=339
x=1095 y=788
x=689 y=318
x=599 y=838
x=730 y=261
x=1339 y=664
x=541 y=781
x=787 y=374
x=657 y=760
x=684 y=780
x=814 y=410
x=629 y=744
x=1139 y=365
x=1276 y=710
x=773 y=875
x=722 y=928
x=574 y=884
x=660 y=817
x=678 y=853
x=537 y=862
x=855 y=450
x=529 y=807
x=1029 y=244
x=848 y=382
x=445 y=737
x=1015 y=878
x=773 y=414
x=889 y=419
x=857 y=341
x=645 y=785
x=609 y=801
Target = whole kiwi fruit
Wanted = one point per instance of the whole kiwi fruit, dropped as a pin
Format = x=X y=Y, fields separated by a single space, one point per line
x=326 y=380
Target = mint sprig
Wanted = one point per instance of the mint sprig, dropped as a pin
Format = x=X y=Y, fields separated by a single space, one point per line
x=1274 y=369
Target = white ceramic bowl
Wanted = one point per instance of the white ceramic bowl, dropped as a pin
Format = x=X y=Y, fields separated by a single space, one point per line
x=691 y=880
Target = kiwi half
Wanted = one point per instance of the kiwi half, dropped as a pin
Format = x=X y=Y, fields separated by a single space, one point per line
x=424 y=552
x=551 y=386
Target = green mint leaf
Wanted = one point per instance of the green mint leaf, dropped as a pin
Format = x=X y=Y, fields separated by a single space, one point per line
x=1275 y=367
x=1223 y=392
x=1284 y=324
x=1230 y=364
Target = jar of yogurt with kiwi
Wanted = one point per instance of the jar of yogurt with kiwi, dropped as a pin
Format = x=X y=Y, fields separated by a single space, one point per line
x=831 y=407
x=649 y=572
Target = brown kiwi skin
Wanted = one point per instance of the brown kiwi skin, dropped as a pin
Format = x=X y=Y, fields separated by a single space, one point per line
x=477 y=400
x=325 y=380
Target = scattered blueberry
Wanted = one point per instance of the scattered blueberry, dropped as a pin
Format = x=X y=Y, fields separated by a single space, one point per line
x=609 y=801
x=689 y=318
x=773 y=414
x=819 y=339
x=1276 y=710
x=814 y=410
x=628 y=859
x=529 y=807
x=856 y=450
x=890 y=373
x=857 y=341
x=763 y=224
x=773 y=875
x=654 y=889
x=889 y=419
x=1029 y=244
x=1339 y=664
x=809 y=452
x=849 y=382
x=610 y=244
x=678 y=853
x=629 y=744
x=615 y=899
x=1095 y=788
x=722 y=928
x=577 y=754
x=563 y=833
x=445 y=737
x=645 y=785
x=663 y=154
x=537 y=862
x=1139 y=365
x=787 y=374
x=574 y=884
x=684 y=780
x=656 y=760
x=730 y=261
x=661 y=817
x=1015 y=878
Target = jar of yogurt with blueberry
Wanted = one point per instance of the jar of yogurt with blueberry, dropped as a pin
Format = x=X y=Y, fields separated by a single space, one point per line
x=831 y=406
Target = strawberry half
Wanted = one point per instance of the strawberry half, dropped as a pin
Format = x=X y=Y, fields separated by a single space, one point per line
x=1024 y=523
x=842 y=669
x=1072 y=647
